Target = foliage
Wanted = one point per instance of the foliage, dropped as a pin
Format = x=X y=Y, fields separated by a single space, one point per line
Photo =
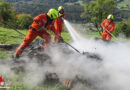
x=42 y=6
x=123 y=27
x=97 y=11
x=73 y=8
x=24 y=21
x=8 y=14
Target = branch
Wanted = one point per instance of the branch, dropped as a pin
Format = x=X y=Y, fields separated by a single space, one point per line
x=14 y=29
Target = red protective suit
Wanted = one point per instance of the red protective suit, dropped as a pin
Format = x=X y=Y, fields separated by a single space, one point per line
x=39 y=27
x=1 y=79
x=109 y=25
x=58 y=27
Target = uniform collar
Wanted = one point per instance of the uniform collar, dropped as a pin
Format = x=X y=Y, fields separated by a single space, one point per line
x=48 y=18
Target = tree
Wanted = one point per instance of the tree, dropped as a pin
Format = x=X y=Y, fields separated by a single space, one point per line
x=24 y=21
x=8 y=14
x=123 y=27
x=97 y=11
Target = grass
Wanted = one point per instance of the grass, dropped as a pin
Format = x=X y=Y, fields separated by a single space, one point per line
x=93 y=34
x=125 y=4
x=10 y=36
x=66 y=36
x=6 y=38
x=4 y=54
x=80 y=3
x=21 y=86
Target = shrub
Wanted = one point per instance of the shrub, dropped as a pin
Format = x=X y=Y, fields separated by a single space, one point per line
x=24 y=21
x=123 y=27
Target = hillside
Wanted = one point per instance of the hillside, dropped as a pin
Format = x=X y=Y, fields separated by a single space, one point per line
x=73 y=8
x=120 y=3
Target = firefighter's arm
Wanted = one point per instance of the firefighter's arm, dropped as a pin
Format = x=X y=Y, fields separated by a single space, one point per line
x=56 y=26
x=38 y=20
x=57 y=34
x=103 y=25
x=52 y=28
x=64 y=16
x=112 y=28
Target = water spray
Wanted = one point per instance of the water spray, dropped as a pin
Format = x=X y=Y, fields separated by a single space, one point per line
x=75 y=36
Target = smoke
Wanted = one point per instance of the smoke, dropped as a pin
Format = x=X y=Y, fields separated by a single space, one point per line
x=113 y=73
x=110 y=73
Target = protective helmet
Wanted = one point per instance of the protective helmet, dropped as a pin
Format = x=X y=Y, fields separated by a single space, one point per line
x=110 y=17
x=60 y=8
x=53 y=14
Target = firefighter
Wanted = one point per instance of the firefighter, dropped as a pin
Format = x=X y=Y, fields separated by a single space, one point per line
x=108 y=27
x=39 y=27
x=1 y=81
x=59 y=24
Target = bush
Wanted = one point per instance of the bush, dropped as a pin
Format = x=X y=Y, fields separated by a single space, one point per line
x=7 y=14
x=123 y=27
x=24 y=21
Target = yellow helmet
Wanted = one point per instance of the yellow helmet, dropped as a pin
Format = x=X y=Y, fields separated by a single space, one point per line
x=60 y=8
x=53 y=13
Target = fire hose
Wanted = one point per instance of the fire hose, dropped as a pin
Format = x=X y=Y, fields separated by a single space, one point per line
x=73 y=47
x=111 y=34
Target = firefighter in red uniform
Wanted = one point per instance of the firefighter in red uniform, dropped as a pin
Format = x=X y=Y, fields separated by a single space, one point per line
x=59 y=24
x=108 y=27
x=1 y=81
x=39 y=27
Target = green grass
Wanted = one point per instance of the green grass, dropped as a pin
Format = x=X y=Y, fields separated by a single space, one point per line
x=4 y=54
x=80 y=3
x=93 y=34
x=9 y=36
x=66 y=36
x=21 y=86
x=124 y=5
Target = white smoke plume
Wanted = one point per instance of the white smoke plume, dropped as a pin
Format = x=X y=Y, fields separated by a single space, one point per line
x=110 y=73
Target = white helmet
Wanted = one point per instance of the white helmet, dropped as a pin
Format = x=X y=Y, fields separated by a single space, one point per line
x=110 y=17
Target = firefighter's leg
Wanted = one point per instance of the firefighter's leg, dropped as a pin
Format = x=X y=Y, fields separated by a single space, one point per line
x=46 y=36
x=57 y=39
x=108 y=37
x=103 y=36
x=27 y=40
